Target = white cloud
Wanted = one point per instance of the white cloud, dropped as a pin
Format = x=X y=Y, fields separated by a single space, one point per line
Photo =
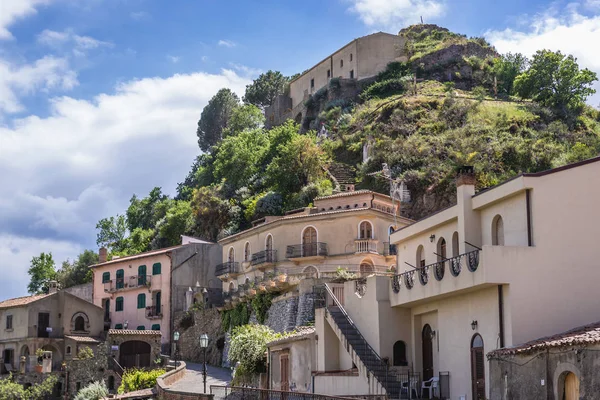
x=79 y=43
x=245 y=70
x=565 y=29
x=395 y=14
x=12 y=10
x=173 y=59
x=226 y=43
x=44 y=74
x=139 y=15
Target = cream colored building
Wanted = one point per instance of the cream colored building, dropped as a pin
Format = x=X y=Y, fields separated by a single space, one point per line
x=349 y=230
x=501 y=267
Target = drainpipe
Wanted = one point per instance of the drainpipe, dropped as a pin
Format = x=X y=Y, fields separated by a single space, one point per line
x=501 y=314
x=171 y=324
x=372 y=198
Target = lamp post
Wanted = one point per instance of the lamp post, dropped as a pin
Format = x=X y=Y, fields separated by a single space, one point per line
x=176 y=340
x=204 y=345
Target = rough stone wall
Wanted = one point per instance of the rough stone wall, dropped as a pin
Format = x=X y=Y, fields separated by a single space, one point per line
x=83 y=291
x=205 y=321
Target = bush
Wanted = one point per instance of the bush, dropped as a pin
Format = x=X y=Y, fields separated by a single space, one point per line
x=480 y=92
x=394 y=70
x=383 y=89
x=261 y=304
x=93 y=391
x=238 y=316
x=85 y=352
x=138 y=379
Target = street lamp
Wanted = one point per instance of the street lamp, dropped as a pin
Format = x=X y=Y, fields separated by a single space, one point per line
x=204 y=345
x=176 y=340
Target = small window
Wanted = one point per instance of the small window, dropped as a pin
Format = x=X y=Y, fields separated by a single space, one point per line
x=156 y=269
x=141 y=300
x=231 y=255
x=68 y=350
x=111 y=383
x=247 y=252
x=118 y=326
x=119 y=304
x=328 y=73
x=352 y=74
x=141 y=328
x=9 y=320
x=106 y=277
x=80 y=324
x=341 y=63
x=400 y=354
x=156 y=327
x=497 y=231
x=365 y=230
x=312 y=83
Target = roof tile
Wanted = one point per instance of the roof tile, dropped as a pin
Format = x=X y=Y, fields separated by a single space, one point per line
x=22 y=301
x=133 y=332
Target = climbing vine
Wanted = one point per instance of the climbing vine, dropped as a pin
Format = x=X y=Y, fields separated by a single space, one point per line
x=238 y=316
x=261 y=304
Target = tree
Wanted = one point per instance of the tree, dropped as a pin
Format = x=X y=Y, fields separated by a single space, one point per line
x=248 y=347
x=93 y=391
x=178 y=221
x=211 y=213
x=112 y=233
x=142 y=213
x=506 y=68
x=42 y=270
x=78 y=272
x=246 y=117
x=215 y=118
x=10 y=390
x=201 y=174
x=263 y=90
x=555 y=80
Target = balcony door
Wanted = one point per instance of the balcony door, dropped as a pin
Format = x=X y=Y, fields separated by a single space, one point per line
x=477 y=368
x=427 y=352
x=43 y=323
x=157 y=301
x=309 y=242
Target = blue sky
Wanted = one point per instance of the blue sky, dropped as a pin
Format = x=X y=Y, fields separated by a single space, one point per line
x=99 y=99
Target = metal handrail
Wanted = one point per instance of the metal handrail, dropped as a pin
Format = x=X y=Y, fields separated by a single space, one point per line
x=264 y=256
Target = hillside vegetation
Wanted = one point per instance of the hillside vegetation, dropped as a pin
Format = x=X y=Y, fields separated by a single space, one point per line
x=503 y=114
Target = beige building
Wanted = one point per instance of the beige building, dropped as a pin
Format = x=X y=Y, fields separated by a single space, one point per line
x=143 y=291
x=58 y=322
x=349 y=230
x=291 y=361
x=502 y=267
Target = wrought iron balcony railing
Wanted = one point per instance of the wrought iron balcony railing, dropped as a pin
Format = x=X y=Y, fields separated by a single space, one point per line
x=454 y=264
x=389 y=249
x=154 y=312
x=229 y=267
x=264 y=257
x=130 y=282
x=307 y=250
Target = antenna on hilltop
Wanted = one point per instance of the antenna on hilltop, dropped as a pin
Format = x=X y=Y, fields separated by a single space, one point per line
x=421 y=20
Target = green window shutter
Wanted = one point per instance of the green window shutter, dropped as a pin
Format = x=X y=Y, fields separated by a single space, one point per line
x=119 y=304
x=106 y=277
x=118 y=326
x=156 y=327
x=120 y=278
x=141 y=300
x=141 y=328
x=141 y=275
x=156 y=269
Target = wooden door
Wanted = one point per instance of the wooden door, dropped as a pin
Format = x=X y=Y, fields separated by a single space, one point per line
x=157 y=305
x=427 y=352
x=309 y=242
x=43 y=323
x=284 y=364
x=571 y=387
x=477 y=368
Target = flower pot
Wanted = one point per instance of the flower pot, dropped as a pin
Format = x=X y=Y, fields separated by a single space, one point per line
x=281 y=278
x=38 y=368
x=252 y=292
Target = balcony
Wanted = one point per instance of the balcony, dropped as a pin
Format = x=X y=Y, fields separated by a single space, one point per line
x=365 y=246
x=227 y=268
x=154 y=312
x=389 y=250
x=307 y=250
x=264 y=257
x=131 y=282
x=444 y=278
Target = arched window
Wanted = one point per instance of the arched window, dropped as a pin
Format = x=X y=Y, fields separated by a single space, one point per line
x=400 y=354
x=231 y=255
x=365 y=230
x=269 y=244
x=420 y=256
x=390 y=230
x=441 y=249
x=247 y=251
x=497 y=231
x=455 y=247
x=79 y=323
x=231 y=287
x=141 y=300
x=366 y=268
x=68 y=350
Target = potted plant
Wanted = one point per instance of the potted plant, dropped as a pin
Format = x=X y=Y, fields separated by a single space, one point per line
x=281 y=277
x=39 y=353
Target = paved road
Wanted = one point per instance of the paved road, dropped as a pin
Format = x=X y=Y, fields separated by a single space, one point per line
x=192 y=381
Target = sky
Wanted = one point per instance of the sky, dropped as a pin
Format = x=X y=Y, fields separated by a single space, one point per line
x=99 y=99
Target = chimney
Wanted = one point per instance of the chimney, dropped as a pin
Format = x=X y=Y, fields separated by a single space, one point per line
x=102 y=254
x=52 y=287
x=465 y=176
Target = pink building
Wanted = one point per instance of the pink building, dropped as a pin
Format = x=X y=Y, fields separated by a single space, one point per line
x=144 y=291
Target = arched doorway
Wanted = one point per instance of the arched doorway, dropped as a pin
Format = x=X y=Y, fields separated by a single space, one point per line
x=427 y=340
x=134 y=353
x=79 y=323
x=571 y=388
x=366 y=268
x=309 y=242
x=441 y=249
x=477 y=368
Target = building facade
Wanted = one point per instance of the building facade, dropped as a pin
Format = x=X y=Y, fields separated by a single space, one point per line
x=348 y=231
x=141 y=292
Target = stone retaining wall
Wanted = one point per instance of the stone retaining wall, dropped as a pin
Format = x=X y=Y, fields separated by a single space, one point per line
x=163 y=383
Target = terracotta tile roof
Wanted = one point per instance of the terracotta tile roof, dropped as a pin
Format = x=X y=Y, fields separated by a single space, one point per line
x=301 y=333
x=83 y=339
x=132 y=332
x=581 y=336
x=22 y=301
x=139 y=255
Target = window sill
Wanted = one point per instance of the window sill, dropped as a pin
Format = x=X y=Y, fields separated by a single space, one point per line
x=9 y=330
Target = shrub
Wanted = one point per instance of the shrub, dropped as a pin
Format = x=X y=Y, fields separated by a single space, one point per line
x=248 y=347
x=85 y=352
x=93 y=391
x=187 y=321
x=261 y=304
x=138 y=379
x=238 y=316
x=480 y=92
x=343 y=275
x=384 y=89
x=395 y=69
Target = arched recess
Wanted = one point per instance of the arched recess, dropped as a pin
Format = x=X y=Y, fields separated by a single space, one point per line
x=441 y=249
x=365 y=230
x=477 y=367
x=568 y=386
x=497 y=231
x=269 y=242
x=366 y=267
x=455 y=245
x=400 y=354
x=310 y=237
x=311 y=272
x=231 y=286
x=247 y=254
x=25 y=351
x=420 y=256
x=231 y=255
x=80 y=322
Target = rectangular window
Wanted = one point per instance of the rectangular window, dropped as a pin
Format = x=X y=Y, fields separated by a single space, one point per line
x=118 y=326
x=120 y=278
x=9 y=322
x=156 y=327
x=312 y=83
x=119 y=304
x=156 y=269
x=328 y=73
x=351 y=57
x=141 y=300
x=106 y=277
x=352 y=74
x=141 y=328
x=341 y=63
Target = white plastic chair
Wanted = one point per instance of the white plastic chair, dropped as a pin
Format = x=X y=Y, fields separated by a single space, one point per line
x=431 y=385
x=413 y=388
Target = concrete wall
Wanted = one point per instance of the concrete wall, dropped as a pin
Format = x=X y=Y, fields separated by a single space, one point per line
x=84 y=291
x=376 y=51
x=301 y=362
x=20 y=323
x=339 y=384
